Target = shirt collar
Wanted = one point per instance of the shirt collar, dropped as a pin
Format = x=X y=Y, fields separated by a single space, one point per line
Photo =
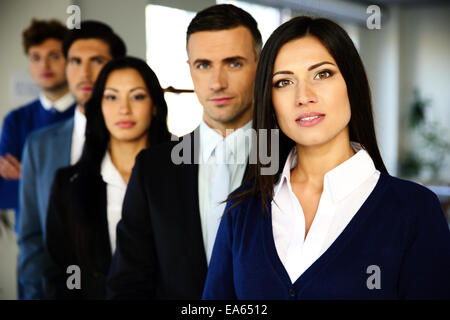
x=343 y=179
x=109 y=172
x=209 y=138
x=61 y=105
x=79 y=123
x=285 y=176
x=350 y=174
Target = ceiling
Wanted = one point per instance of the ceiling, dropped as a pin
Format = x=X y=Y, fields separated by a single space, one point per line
x=402 y=2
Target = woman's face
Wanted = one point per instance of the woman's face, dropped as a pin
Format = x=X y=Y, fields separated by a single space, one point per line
x=309 y=93
x=127 y=106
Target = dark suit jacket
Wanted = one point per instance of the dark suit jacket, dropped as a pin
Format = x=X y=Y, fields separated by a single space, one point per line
x=160 y=252
x=77 y=234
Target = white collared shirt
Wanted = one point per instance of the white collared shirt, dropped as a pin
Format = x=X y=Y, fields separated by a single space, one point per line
x=61 y=105
x=240 y=148
x=79 y=127
x=115 y=193
x=345 y=189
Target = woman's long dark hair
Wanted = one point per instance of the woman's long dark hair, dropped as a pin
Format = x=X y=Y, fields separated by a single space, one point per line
x=361 y=125
x=97 y=135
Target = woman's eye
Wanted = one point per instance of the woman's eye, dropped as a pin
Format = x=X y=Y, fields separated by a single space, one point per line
x=109 y=97
x=282 y=83
x=139 y=97
x=323 y=75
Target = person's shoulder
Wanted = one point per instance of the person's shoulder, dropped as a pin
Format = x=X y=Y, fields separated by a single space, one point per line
x=409 y=197
x=409 y=191
x=19 y=113
x=161 y=152
x=50 y=131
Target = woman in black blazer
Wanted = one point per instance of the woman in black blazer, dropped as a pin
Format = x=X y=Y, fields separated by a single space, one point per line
x=127 y=113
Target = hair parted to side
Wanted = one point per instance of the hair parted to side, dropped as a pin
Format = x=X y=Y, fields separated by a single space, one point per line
x=96 y=30
x=223 y=17
x=97 y=135
x=361 y=125
x=40 y=30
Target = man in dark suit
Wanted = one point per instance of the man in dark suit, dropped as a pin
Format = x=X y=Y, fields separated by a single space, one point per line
x=169 y=218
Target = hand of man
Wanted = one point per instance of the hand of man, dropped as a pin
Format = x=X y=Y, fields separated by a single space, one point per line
x=9 y=167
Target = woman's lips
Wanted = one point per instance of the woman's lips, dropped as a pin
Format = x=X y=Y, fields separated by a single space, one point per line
x=47 y=75
x=309 y=119
x=221 y=101
x=125 y=124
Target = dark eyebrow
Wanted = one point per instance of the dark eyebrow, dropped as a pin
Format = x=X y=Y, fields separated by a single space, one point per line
x=202 y=61
x=99 y=57
x=282 y=72
x=319 y=64
x=314 y=66
x=137 y=88
x=234 y=58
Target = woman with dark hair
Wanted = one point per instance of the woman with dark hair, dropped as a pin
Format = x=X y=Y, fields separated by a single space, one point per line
x=126 y=113
x=331 y=223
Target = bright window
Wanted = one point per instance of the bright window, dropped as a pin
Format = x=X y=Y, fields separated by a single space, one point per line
x=166 y=55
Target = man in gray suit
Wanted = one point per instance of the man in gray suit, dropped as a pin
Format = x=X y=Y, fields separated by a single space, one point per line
x=86 y=50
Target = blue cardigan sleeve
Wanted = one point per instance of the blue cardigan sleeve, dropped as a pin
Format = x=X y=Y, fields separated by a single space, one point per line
x=10 y=143
x=425 y=272
x=220 y=280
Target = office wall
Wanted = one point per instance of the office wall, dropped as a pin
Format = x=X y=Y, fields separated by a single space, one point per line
x=127 y=18
x=411 y=51
x=425 y=65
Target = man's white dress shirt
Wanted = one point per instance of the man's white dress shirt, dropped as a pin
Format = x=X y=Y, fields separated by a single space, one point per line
x=79 y=127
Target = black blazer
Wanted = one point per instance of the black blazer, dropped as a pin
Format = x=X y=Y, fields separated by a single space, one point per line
x=77 y=234
x=160 y=252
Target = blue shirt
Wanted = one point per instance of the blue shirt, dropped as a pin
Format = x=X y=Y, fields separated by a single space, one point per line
x=397 y=246
x=17 y=125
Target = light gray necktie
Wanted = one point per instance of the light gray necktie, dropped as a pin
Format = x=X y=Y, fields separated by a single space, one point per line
x=220 y=188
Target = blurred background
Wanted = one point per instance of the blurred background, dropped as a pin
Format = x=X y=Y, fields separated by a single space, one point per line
x=405 y=50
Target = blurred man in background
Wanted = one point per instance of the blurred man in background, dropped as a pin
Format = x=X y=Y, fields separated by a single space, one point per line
x=42 y=43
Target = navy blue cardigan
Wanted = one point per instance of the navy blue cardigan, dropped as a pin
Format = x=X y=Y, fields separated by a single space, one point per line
x=399 y=236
